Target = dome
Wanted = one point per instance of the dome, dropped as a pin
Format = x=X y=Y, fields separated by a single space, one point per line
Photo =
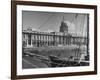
x=64 y=27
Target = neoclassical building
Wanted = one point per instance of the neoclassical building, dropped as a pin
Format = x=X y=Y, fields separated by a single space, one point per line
x=40 y=39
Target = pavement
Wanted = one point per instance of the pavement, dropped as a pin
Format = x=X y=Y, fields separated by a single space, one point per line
x=33 y=62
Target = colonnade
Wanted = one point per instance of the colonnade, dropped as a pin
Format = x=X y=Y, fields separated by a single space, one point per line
x=39 y=40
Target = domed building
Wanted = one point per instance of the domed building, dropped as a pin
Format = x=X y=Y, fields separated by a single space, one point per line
x=63 y=27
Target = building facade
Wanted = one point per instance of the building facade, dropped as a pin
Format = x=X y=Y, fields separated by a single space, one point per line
x=41 y=39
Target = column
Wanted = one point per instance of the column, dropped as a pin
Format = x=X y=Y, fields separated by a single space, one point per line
x=48 y=40
x=27 y=41
x=43 y=40
x=36 y=39
x=40 y=40
x=31 y=40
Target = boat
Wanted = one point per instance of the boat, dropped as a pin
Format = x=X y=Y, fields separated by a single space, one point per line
x=58 y=62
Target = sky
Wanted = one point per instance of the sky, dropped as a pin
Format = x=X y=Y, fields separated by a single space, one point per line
x=51 y=21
